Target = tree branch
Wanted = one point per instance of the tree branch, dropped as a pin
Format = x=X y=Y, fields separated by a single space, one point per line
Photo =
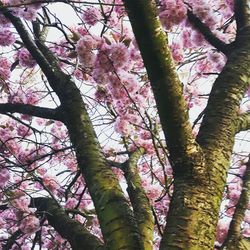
x=242 y=14
x=208 y=35
x=12 y=239
x=242 y=123
x=139 y=199
x=234 y=237
x=218 y=125
x=31 y=110
x=167 y=88
x=72 y=230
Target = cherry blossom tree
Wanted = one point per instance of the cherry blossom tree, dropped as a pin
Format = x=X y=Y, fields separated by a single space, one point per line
x=124 y=124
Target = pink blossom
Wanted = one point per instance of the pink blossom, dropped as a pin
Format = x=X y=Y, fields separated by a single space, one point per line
x=119 y=55
x=230 y=4
x=4 y=69
x=246 y=232
x=145 y=135
x=4 y=22
x=222 y=229
x=197 y=39
x=217 y=60
x=84 y=49
x=6 y=37
x=186 y=38
x=247 y=216
x=177 y=52
x=30 y=224
x=25 y=58
x=71 y=203
x=172 y=12
x=50 y=183
x=4 y=176
x=101 y=94
x=29 y=14
x=91 y=16
x=103 y=62
x=122 y=126
x=21 y=203
x=23 y=130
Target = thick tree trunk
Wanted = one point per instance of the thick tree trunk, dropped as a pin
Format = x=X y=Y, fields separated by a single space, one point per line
x=200 y=168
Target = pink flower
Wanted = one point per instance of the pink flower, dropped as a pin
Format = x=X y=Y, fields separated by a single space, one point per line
x=172 y=12
x=4 y=22
x=145 y=135
x=30 y=224
x=6 y=37
x=84 y=49
x=197 y=39
x=50 y=183
x=246 y=232
x=119 y=55
x=4 y=176
x=91 y=16
x=122 y=126
x=21 y=203
x=23 y=130
x=222 y=229
x=29 y=14
x=4 y=69
x=25 y=58
x=71 y=203
x=177 y=52
x=247 y=216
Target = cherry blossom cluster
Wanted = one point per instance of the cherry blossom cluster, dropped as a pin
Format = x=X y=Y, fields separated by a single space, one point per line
x=84 y=49
x=7 y=38
x=25 y=58
x=172 y=12
x=28 y=12
x=4 y=69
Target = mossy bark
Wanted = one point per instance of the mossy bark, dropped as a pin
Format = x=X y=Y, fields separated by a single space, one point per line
x=117 y=220
x=139 y=200
x=200 y=167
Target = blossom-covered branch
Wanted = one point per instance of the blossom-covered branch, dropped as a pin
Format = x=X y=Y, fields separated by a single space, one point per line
x=27 y=109
x=28 y=41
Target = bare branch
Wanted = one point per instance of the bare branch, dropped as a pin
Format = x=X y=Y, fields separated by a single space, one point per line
x=208 y=35
x=12 y=239
x=31 y=110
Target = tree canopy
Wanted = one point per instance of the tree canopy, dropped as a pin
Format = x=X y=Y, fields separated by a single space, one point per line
x=124 y=124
